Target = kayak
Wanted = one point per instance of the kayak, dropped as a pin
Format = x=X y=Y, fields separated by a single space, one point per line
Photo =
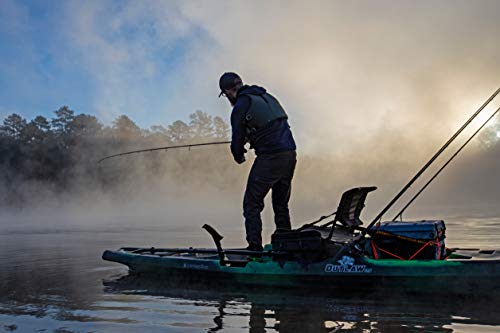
x=408 y=255
x=467 y=269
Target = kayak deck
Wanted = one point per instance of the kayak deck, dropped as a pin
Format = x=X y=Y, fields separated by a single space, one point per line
x=472 y=263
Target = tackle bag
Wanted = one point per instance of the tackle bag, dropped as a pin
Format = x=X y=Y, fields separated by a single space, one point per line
x=297 y=241
x=305 y=245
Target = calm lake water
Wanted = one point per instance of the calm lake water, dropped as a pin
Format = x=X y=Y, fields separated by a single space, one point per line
x=52 y=279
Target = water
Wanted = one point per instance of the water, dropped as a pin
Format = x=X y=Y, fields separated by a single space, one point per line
x=52 y=279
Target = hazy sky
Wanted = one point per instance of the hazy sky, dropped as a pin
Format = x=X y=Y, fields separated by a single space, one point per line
x=372 y=88
x=350 y=73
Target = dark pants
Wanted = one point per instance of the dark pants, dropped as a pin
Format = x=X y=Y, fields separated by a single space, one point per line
x=274 y=171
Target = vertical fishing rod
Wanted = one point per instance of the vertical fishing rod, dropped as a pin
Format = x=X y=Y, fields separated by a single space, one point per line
x=400 y=214
x=419 y=173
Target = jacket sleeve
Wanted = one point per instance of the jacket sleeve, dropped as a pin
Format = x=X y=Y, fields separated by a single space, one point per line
x=238 y=138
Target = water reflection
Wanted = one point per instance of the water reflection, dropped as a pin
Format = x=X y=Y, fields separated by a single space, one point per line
x=264 y=310
x=52 y=281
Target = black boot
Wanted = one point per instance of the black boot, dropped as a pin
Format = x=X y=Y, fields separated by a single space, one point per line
x=255 y=247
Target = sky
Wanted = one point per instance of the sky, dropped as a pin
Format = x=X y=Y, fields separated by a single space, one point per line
x=350 y=74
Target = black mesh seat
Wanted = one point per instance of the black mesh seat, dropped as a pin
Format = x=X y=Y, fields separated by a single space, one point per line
x=351 y=204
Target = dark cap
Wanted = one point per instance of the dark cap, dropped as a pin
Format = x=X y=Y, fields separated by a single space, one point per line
x=227 y=81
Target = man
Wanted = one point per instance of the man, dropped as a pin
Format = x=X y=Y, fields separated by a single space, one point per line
x=258 y=118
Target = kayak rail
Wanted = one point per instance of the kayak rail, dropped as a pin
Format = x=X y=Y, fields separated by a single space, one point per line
x=153 y=250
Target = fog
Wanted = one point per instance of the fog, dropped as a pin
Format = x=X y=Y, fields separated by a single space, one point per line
x=187 y=188
x=372 y=89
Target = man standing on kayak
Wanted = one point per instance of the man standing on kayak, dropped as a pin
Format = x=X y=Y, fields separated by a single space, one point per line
x=258 y=118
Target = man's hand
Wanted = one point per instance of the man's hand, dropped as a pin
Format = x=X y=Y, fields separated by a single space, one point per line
x=241 y=159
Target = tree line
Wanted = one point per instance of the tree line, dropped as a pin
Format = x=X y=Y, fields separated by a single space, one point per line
x=59 y=150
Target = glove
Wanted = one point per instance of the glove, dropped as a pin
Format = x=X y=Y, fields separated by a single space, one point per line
x=240 y=160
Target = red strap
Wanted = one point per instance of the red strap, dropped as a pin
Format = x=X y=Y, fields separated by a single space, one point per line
x=389 y=253
x=413 y=256
x=438 y=248
x=374 y=249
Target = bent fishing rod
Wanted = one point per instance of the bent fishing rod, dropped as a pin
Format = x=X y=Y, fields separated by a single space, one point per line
x=165 y=148
x=422 y=170
x=400 y=214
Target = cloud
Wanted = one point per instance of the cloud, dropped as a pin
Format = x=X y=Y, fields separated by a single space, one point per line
x=345 y=71
x=126 y=49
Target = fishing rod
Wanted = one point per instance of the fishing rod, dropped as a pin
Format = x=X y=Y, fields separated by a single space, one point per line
x=419 y=173
x=165 y=148
x=400 y=214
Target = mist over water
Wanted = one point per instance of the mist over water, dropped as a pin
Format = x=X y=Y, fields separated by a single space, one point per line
x=53 y=278
x=206 y=183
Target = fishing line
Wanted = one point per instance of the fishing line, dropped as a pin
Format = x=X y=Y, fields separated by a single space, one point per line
x=400 y=214
x=419 y=173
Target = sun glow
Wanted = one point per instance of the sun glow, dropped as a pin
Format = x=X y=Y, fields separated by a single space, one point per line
x=498 y=134
x=482 y=117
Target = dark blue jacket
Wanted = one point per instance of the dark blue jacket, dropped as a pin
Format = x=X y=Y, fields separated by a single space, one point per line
x=273 y=138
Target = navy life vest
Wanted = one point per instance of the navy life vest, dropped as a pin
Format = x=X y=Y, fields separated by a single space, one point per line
x=264 y=108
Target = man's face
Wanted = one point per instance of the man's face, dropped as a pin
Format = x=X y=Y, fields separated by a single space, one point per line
x=231 y=95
